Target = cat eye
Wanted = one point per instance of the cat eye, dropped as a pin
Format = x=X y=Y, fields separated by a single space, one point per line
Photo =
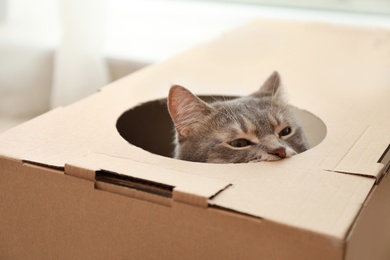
x=285 y=131
x=238 y=143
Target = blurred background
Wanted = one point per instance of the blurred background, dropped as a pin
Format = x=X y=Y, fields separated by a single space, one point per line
x=55 y=52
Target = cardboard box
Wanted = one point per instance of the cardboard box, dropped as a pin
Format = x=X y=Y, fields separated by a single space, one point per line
x=72 y=187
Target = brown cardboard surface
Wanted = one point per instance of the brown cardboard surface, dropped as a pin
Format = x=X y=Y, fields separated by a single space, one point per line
x=304 y=198
x=370 y=236
x=341 y=75
x=55 y=216
x=338 y=91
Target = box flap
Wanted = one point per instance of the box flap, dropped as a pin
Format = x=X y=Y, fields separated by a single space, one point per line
x=367 y=150
x=186 y=187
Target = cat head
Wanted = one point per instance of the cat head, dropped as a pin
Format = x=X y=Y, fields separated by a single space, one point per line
x=258 y=127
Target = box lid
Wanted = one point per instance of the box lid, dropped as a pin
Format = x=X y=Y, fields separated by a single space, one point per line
x=339 y=74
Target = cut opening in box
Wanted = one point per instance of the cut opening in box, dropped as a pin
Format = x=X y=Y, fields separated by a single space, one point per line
x=149 y=126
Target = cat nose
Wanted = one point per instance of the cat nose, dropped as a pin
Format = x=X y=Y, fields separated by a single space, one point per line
x=280 y=152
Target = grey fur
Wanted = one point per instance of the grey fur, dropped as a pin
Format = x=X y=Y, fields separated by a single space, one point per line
x=205 y=131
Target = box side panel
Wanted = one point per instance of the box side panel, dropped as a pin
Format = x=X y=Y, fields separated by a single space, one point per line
x=370 y=237
x=48 y=215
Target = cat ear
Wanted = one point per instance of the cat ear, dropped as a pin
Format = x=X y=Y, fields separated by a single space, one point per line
x=187 y=110
x=271 y=87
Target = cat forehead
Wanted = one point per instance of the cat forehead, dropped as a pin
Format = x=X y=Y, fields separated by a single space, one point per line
x=259 y=107
x=251 y=115
x=245 y=103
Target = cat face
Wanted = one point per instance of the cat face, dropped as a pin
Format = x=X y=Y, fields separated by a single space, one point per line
x=258 y=127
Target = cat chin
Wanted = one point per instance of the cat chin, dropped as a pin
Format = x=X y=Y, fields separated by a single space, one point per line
x=269 y=157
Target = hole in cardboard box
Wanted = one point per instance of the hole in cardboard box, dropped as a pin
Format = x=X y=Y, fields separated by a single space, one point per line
x=150 y=127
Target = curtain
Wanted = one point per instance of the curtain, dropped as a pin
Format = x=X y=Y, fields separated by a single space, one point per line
x=79 y=65
x=51 y=54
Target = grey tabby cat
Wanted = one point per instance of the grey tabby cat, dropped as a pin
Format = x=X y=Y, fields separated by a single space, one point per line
x=254 y=128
